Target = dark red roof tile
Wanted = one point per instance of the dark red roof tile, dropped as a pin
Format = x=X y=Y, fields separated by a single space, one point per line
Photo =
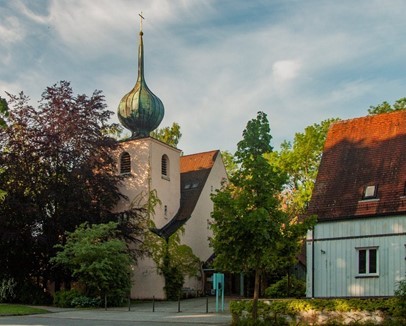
x=359 y=153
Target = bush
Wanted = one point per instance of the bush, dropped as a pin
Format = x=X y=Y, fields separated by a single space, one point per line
x=64 y=298
x=86 y=302
x=277 y=312
x=7 y=290
x=400 y=296
x=280 y=289
x=30 y=293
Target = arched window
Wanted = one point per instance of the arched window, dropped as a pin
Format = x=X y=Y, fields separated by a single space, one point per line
x=125 y=163
x=165 y=166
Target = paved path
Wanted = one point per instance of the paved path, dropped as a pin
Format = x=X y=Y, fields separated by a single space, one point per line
x=192 y=312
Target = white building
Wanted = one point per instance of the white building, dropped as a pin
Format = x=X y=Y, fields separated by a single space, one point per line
x=358 y=247
x=183 y=184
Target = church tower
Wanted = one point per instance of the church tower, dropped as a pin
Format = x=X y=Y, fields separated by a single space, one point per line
x=148 y=164
x=140 y=110
x=183 y=185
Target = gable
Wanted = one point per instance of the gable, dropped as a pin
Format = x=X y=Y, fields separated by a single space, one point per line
x=195 y=170
x=361 y=156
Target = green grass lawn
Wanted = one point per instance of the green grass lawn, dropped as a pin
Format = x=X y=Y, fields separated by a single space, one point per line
x=14 y=310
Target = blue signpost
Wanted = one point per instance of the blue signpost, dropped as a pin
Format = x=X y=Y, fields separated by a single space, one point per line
x=218 y=286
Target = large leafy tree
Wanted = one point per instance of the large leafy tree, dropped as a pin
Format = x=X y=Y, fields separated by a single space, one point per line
x=58 y=173
x=3 y=115
x=300 y=161
x=248 y=222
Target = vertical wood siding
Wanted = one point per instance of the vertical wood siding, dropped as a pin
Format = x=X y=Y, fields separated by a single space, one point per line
x=336 y=260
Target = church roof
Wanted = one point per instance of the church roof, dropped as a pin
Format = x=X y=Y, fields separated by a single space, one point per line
x=195 y=170
x=363 y=169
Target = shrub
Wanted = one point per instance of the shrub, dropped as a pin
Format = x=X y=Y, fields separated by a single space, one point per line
x=278 y=312
x=86 y=302
x=400 y=297
x=281 y=289
x=7 y=290
x=64 y=298
x=30 y=293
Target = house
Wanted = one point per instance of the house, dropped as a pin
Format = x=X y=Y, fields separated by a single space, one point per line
x=182 y=183
x=358 y=246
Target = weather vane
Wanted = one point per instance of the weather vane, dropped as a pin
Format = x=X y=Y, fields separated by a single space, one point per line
x=141 y=18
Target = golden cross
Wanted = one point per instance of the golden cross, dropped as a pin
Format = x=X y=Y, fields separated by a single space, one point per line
x=141 y=18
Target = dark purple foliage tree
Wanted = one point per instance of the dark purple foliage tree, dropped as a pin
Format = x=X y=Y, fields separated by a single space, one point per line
x=58 y=173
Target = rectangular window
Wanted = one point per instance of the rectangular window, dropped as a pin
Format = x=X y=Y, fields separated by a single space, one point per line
x=367 y=261
x=371 y=192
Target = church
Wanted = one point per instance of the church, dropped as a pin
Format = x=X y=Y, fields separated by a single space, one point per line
x=182 y=183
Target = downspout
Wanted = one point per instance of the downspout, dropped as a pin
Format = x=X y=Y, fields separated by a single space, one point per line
x=313 y=261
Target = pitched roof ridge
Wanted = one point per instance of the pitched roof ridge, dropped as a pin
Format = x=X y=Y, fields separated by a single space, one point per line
x=380 y=116
x=201 y=153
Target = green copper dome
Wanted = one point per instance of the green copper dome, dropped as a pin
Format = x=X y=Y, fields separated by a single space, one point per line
x=140 y=111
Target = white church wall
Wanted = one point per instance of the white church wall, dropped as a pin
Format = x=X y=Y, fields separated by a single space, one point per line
x=197 y=228
x=147 y=282
x=167 y=187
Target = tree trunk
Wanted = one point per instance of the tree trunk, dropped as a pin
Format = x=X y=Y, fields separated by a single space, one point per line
x=256 y=294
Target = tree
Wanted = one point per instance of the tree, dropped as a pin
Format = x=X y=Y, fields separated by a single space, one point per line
x=385 y=107
x=98 y=259
x=174 y=260
x=3 y=115
x=300 y=161
x=169 y=135
x=229 y=162
x=3 y=112
x=58 y=173
x=247 y=219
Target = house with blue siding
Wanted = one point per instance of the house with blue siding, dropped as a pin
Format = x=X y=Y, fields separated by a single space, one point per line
x=358 y=246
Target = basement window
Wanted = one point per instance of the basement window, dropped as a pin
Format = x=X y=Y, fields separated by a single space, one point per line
x=370 y=192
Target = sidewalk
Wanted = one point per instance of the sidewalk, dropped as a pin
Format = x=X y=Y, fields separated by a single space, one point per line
x=192 y=311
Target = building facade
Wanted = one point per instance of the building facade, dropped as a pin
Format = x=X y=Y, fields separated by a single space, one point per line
x=183 y=185
x=358 y=246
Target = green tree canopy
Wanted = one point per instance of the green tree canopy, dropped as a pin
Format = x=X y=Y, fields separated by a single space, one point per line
x=98 y=259
x=385 y=107
x=168 y=135
x=300 y=161
x=248 y=221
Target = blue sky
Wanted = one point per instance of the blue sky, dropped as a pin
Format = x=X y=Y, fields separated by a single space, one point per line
x=213 y=64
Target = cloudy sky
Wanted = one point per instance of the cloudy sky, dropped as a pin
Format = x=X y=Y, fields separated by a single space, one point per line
x=213 y=64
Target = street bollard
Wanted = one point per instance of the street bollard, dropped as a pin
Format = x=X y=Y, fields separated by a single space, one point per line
x=179 y=304
x=207 y=304
x=153 y=303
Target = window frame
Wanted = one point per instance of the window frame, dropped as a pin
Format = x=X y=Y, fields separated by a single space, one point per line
x=367 y=264
x=165 y=167
x=125 y=164
x=372 y=196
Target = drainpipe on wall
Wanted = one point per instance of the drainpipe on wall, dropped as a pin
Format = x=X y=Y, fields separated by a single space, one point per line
x=313 y=261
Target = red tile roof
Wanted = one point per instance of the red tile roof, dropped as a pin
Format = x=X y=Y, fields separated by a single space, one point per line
x=197 y=161
x=195 y=170
x=359 y=153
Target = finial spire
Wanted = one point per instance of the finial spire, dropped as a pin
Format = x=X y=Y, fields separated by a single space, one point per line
x=141 y=18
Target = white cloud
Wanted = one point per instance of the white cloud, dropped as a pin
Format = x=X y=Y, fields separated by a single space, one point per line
x=285 y=70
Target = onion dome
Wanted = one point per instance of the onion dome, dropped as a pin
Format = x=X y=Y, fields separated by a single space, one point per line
x=140 y=111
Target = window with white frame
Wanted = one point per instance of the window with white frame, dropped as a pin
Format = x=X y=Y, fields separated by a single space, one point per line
x=367 y=261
